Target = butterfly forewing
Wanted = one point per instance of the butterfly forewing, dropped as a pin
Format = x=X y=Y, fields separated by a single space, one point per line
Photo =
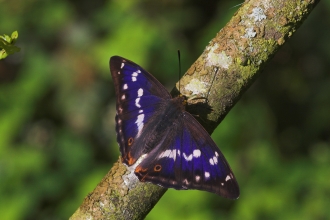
x=179 y=153
x=139 y=96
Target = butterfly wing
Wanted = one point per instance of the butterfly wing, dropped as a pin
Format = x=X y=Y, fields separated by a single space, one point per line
x=187 y=158
x=139 y=96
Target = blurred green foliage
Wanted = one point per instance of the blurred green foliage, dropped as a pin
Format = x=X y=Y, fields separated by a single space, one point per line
x=57 y=107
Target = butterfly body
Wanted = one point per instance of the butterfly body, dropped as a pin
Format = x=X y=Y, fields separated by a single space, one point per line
x=177 y=151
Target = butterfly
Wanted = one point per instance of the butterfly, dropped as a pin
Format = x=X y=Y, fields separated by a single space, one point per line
x=177 y=152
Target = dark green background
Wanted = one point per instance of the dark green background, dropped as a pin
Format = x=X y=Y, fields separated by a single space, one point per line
x=57 y=131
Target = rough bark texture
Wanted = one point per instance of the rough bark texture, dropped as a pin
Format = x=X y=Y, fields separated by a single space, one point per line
x=119 y=195
x=231 y=62
x=240 y=50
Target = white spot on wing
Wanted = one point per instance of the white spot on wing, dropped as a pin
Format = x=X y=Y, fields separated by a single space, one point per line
x=134 y=74
x=197 y=178
x=125 y=86
x=169 y=154
x=207 y=174
x=122 y=65
x=214 y=160
x=139 y=127
x=140 y=92
x=137 y=104
x=166 y=153
x=140 y=119
x=141 y=111
x=187 y=158
x=123 y=97
x=227 y=178
x=140 y=124
x=133 y=79
x=197 y=153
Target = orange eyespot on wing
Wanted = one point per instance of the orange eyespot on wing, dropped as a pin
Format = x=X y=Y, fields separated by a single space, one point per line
x=130 y=141
x=157 y=168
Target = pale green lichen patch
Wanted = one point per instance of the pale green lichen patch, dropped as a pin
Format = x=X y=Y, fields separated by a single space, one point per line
x=130 y=180
x=250 y=33
x=257 y=14
x=196 y=86
x=218 y=59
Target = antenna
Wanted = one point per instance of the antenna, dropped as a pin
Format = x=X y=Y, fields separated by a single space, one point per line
x=215 y=73
x=179 y=57
x=236 y=5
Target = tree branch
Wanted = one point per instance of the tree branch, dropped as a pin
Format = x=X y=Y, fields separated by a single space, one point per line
x=230 y=63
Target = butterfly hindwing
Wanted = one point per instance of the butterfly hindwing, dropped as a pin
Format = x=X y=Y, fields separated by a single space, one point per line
x=189 y=159
x=139 y=95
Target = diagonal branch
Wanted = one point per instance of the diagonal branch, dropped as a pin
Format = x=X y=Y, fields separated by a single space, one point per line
x=231 y=62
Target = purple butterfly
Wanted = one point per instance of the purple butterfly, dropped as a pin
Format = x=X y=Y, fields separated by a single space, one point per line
x=177 y=151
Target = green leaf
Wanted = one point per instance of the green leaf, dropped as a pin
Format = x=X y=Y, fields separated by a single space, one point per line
x=14 y=36
x=7 y=46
